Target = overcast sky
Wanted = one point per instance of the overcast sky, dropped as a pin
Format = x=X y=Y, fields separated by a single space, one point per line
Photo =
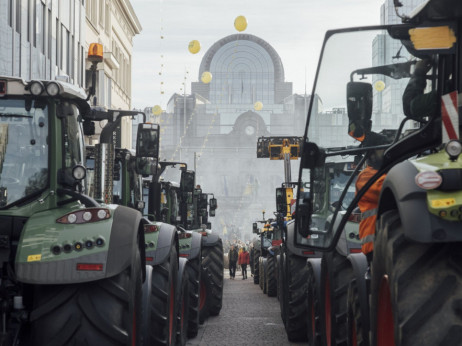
x=295 y=28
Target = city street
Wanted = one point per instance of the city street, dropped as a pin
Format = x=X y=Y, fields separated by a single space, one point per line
x=248 y=317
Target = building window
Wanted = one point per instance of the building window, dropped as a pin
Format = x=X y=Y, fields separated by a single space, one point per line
x=18 y=16
x=10 y=13
x=50 y=36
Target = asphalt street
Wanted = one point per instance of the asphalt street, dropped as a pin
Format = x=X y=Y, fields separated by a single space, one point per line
x=248 y=317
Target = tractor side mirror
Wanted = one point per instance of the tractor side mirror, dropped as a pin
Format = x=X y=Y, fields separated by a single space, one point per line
x=212 y=212
x=255 y=228
x=213 y=204
x=359 y=106
x=312 y=156
x=147 y=149
x=303 y=215
x=281 y=201
x=209 y=225
x=188 y=180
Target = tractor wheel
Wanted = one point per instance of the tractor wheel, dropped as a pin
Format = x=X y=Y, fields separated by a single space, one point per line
x=278 y=276
x=357 y=334
x=163 y=309
x=297 y=277
x=416 y=289
x=271 y=283
x=194 y=276
x=206 y=288
x=283 y=286
x=264 y=265
x=103 y=312
x=314 y=299
x=182 y=311
x=261 y=278
x=336 y=274
x=256 y=267
x=213 y=260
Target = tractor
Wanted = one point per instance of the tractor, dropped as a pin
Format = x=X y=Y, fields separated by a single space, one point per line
x=70 y=264
x=402 y=79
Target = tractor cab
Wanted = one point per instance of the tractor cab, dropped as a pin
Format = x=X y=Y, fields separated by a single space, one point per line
x=379 y=97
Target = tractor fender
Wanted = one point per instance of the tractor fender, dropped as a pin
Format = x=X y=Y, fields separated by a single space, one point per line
x=124 y=240
x=123 y=234
x=196 y=246
x=167 y=236
x=315 y=263
x=182 y=263
x=359 y=263
x=294 y=243
x=210 y=240
x=400 y=192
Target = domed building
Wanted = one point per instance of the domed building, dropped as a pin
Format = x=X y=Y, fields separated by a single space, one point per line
x=216 y=127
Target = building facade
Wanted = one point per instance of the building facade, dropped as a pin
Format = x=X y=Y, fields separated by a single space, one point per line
x=43 y=39
x=113 y=23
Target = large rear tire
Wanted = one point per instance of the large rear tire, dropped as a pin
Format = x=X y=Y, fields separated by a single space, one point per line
x=416 y=289
x=314 y=305
x=336 y=274
x=206 y=288
x=283 y=286
x=213 y=260
x=103 y=312
x=358 y=334
x=256 y=266
x=194 y=276
x=163 y=308
x=296 y=310
x=182 y=308
x=264 y=265
x=271 y=282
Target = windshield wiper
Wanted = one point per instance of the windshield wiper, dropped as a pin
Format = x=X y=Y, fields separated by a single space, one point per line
x=13 y=115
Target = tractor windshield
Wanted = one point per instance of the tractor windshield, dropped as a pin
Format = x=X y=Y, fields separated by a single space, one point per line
x=23 y=149
x=358 y=103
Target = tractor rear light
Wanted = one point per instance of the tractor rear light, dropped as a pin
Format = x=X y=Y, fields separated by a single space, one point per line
x=78 y=246
x=150 y=228
x=85 y=216
x=184 y=255
x=428 y=180
x=71 y=218
x=355 y=250
x=308 y=252
x=149 y=259
x=354 y=218
x=443 y=213
x=184 y=235
x=204 y=233
x=36 y=88
x=90 y=267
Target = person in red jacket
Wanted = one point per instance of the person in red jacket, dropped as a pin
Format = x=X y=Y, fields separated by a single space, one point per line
x=243 y=261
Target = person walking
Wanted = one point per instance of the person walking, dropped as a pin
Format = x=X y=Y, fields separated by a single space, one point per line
x=244 y=260
x=233 y=257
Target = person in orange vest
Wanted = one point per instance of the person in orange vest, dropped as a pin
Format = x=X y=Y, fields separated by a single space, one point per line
x=244 y=260
x=369 y=201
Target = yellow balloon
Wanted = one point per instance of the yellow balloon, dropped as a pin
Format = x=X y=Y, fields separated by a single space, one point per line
x=379 y=85
x=157 y=110
x=194 y=46
x=206 y=77
x=258 y=106
x=240 y=23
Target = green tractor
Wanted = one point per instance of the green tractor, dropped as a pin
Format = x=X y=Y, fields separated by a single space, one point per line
x=164 y=202
x=402 y=77
x=115 y=178
x=73 y=268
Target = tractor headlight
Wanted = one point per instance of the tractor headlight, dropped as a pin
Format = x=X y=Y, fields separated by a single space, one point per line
x=52 y=89
x=36 y=88
x=79 y=172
